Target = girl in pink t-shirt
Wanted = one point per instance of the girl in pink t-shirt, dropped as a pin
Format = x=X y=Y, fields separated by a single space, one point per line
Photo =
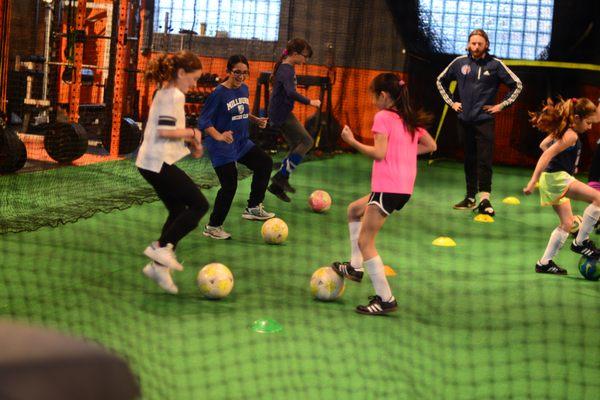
x=398 y=139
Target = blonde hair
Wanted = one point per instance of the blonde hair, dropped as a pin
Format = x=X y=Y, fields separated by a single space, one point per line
x=164 y=68
x=556 y=117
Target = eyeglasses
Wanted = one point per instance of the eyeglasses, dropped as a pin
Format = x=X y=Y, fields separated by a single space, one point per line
x=238 y=72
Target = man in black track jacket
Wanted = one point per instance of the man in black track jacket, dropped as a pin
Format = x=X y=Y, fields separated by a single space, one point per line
x=478 y=77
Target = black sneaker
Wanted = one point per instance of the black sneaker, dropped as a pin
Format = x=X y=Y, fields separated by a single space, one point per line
x=377 y=306
x=346 y=270
x=279 y=192
x=467 y=204
x=550 y=268
x=485 y=207
x=283 y=182
x=587 y=248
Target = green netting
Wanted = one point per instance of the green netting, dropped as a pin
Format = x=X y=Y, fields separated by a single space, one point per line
x=474 y=322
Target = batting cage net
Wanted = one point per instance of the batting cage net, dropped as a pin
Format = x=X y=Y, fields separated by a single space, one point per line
x=267 y=313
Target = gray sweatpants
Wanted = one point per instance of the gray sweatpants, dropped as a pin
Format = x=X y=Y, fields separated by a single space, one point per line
x=296 y=136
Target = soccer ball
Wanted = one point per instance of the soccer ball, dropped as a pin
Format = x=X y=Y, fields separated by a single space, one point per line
x=577 y=220
x=319 y=201
x=326 y=284
x=215 y=281
x=588 y=268
x=274 y=231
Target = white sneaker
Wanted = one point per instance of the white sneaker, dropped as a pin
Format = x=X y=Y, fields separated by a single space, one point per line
x=161 y=275
x=257 y=213
x=163 y=255
x=216 y=232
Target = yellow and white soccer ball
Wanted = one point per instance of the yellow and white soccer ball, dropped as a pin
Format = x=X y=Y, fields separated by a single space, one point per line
x=577 y=220
x=215 y=281
x=274 y=231
x=326 y=284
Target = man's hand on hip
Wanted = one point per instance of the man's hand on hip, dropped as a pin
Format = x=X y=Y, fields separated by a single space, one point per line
x=457 y=107
x=493 y=109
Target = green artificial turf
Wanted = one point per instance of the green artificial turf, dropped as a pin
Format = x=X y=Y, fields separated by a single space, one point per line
x=474 y=321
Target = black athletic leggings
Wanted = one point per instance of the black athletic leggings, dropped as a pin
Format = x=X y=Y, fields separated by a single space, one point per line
x=186 y=204
x=261 y=165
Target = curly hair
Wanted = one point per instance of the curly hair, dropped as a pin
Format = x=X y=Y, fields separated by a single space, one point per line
x=556 y=117
x=164 y=68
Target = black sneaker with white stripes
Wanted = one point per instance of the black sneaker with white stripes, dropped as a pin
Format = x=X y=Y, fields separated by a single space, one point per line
x=485 y=207
x=468 y=203
x=377 y=306
x=587 y=248
x=550 y=268
x=346 y=270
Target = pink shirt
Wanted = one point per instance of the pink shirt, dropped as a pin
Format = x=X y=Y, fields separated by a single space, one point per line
x=396 y=173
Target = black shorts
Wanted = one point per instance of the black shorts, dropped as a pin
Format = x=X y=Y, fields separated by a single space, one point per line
x=388 y=202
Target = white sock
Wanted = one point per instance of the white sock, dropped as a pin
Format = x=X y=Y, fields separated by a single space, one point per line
x=377 y=274
x=557 y=239
x=484 y=196
x=356 y=258
x=590 y=216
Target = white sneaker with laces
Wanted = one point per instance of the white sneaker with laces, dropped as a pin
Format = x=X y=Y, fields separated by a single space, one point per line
x=163 y=255
x=161 y=275
x=257 y=213
x=216 y=232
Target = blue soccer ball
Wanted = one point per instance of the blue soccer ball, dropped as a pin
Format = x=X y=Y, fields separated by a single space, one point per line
x=589 y=268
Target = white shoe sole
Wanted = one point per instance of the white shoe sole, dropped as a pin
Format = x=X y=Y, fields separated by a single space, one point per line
x=464 y=208
x=151 y=254
x=256 y=217
x=151 y=273
x=216 y=237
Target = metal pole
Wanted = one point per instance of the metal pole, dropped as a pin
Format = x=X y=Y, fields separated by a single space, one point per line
x=75 y=87
x=145 y=52
x=122 y=61
x=167 y=34
x=5 y=13
x=48 y=6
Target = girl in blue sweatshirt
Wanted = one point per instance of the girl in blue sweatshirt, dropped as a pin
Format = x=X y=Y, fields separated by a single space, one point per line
x=225 y=120
x=281 y=104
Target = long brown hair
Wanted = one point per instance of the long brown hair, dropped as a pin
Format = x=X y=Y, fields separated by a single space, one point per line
x=296 y=45
x=556 y=117
x=164 y=68
x=398 y=91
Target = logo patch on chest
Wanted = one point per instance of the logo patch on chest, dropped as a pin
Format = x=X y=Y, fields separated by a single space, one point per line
x=465 y=69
